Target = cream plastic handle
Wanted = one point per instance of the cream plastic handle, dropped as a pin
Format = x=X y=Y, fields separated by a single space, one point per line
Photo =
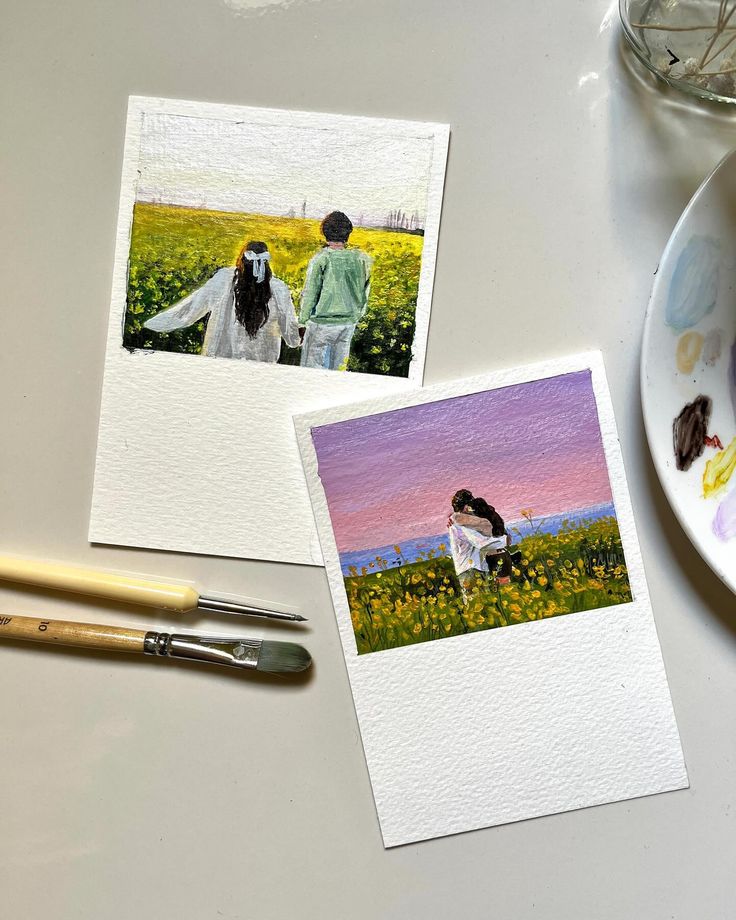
x=124 y=588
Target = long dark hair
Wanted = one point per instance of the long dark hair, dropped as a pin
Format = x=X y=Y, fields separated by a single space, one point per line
x=482 y=509
x=251 y=296
x=464 y=498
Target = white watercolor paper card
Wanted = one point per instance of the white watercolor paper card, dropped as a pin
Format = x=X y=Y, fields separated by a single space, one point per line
x=267 y=262
x=491 y=600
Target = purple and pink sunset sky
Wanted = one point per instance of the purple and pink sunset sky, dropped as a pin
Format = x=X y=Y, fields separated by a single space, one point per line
x=390 y=477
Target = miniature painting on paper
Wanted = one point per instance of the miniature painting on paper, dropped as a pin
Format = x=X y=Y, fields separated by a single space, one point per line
x=277 y=243
x=473 y=513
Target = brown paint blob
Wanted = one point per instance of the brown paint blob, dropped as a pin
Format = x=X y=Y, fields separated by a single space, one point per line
x=690 y=430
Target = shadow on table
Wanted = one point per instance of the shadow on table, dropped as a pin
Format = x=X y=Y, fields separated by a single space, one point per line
x=683 y=136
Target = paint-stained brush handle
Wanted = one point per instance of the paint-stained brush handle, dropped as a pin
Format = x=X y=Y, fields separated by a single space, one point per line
x=124 y=588
x=80 y=635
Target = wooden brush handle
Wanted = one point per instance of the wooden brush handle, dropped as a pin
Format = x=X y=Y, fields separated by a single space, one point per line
x=81 y=635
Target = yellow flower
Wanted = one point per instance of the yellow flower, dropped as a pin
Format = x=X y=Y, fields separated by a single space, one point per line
x=417 y=629
x=542 y=580
x=536 y=593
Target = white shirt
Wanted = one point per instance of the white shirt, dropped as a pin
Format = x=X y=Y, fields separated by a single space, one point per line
x=469 y=548
x=225 y=336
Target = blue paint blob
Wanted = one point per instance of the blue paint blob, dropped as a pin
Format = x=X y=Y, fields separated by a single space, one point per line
x=694 y=285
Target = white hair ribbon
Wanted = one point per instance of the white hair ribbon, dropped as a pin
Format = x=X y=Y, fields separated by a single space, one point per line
x=260 y=258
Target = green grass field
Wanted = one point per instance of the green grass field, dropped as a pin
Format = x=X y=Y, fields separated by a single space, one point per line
x=174 y=250
x=581 y=568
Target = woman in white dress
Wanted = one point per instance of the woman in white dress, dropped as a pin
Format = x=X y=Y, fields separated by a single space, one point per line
x=250 y=310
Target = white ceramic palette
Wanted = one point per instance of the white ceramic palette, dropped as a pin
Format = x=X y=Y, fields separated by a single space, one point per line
x=688 y=370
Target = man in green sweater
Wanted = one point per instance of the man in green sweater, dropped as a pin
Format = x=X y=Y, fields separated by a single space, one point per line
x=335 y=296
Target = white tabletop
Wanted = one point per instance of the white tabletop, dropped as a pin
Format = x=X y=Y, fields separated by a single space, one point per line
x=137 y=791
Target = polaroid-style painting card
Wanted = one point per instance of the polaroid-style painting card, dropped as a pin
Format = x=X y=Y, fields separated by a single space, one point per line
x=491 y=599
x=267 y=263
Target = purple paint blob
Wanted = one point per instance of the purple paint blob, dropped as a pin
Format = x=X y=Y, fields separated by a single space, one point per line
x=724 y=523
x=712 y=347
x=732 y=377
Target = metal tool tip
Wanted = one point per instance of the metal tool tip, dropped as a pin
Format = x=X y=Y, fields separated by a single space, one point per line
x=299 y=618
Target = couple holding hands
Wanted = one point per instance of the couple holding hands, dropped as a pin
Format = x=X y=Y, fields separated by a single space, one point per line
x=251 y=310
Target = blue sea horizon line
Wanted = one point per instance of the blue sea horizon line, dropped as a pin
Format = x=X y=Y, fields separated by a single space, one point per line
x=412 y=549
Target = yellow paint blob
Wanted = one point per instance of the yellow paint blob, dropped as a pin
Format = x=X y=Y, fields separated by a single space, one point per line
x=689 y=347
x=718 y=470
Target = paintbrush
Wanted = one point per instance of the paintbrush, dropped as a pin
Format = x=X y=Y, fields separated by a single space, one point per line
x=247 y=654
x=129 y=589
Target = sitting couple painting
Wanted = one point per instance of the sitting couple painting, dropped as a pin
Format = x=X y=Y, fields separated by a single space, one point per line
x=478 y=542
x=251 y=310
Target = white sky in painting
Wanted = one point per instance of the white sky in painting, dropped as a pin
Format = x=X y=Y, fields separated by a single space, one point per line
x=269 y=169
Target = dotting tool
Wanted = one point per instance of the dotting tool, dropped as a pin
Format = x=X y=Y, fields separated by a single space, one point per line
x=128 y=588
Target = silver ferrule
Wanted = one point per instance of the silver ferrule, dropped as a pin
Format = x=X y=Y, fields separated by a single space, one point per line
x=219 y=605
x=237 y=653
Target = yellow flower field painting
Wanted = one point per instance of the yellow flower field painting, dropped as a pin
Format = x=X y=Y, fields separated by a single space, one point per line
x=473 y=513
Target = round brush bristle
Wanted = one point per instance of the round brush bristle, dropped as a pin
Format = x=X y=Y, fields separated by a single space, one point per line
x=283 y=658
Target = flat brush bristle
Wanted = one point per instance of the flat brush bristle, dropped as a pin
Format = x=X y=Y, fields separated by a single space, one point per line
x=283 y=658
